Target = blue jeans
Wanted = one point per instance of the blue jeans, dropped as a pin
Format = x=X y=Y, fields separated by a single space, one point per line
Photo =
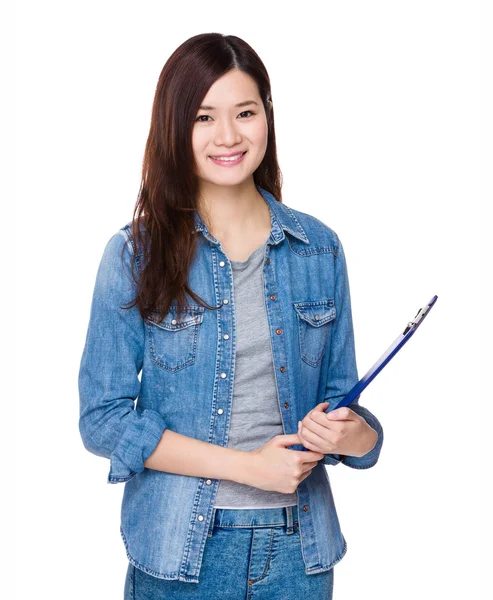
x=249 y=554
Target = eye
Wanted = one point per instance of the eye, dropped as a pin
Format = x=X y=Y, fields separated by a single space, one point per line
x=198 y=119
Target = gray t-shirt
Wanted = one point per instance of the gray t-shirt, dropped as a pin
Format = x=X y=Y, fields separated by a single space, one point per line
x=255 y=415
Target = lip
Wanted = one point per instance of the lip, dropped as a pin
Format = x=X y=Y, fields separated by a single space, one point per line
x=227 y=155
x=229 y=163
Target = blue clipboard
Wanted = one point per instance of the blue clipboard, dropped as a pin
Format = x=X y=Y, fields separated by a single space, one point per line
x=393 y=349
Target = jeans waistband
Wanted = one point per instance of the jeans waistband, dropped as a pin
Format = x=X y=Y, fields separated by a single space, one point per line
x=255 y=517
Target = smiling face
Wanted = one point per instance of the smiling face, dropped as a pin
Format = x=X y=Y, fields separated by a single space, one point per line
x=231 y=121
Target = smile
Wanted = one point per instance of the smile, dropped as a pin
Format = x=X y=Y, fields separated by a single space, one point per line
x=228 y=160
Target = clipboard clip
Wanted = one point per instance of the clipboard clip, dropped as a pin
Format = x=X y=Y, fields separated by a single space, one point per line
x=419 y=315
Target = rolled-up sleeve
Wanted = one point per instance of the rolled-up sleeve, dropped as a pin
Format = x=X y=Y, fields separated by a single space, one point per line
x=110 y=423
x=342 y=371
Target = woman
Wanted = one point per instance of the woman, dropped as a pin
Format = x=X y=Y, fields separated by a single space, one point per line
x=235 y=309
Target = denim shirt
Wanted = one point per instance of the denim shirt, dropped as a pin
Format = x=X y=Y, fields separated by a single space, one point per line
x=186 y=371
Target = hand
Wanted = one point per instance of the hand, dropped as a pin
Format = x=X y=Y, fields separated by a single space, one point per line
x=341 y=431
x=276 y=468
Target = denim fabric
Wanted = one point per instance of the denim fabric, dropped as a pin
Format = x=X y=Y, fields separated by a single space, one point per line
x=249 y=554
x=186 y=371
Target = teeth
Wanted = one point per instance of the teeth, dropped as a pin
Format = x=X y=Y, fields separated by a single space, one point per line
x=230 y=158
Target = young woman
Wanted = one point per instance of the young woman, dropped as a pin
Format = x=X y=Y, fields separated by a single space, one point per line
x=235 y=311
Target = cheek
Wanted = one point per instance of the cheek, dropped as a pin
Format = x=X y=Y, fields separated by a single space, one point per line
x=258 y=139
x=199 y=143
x=260 y=134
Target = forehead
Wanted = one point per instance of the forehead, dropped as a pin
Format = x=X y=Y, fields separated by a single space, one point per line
x=231 y=89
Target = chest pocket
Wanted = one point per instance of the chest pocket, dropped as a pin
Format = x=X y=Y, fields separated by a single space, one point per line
x=173 y=342
x=314 y=322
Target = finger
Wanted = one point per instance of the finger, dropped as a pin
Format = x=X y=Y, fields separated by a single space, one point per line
x=313 y=447
x=308 y=466
x=316 y=434
x=343 y=413
x=309 y=455
x=335 y=425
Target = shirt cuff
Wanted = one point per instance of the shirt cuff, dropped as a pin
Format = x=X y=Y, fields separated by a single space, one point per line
x=137 y=443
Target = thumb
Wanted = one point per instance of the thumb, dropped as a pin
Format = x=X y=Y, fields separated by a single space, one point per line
x=333 y=414
x=320 y=407
x=288 y=439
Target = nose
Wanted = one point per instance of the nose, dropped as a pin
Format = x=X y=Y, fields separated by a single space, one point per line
x=226 y=134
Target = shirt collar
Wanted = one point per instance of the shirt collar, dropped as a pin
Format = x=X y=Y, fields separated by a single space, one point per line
x=282 y=219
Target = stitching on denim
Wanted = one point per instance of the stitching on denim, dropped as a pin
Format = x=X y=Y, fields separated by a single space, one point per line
x=153 y=353
x=321 y=568
x=269 y=555
x=317 y=250
x=169 y=576
x=256 y=526
x=360 y=466
x=128 y=235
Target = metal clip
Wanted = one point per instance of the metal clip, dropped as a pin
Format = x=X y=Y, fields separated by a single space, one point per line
x=419 y=315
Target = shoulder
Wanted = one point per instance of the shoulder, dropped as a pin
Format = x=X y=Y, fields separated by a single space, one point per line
x=317 y=231
x=124 y=236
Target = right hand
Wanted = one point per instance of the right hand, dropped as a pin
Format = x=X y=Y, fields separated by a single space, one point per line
x=275 y=468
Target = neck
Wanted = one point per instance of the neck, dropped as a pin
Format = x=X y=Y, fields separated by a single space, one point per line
x=231 y=211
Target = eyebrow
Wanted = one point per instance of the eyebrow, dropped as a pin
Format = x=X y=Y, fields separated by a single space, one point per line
x=239 y=105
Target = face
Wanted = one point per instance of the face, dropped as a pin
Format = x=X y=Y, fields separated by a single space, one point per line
x=231 y=121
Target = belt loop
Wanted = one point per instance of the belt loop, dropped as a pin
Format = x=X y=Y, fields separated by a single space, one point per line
x=211 y=525
x=289 y=520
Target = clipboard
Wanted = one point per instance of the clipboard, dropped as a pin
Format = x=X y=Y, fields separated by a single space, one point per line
x=388 y=355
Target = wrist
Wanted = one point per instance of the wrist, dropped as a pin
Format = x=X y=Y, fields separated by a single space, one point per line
x=244 y=467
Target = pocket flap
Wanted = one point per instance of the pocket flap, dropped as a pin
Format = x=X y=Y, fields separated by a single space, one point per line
x=316 y=312
x=191 y=315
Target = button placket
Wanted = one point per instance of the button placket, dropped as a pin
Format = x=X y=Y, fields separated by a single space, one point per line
x=223 y=375
x=278 y=349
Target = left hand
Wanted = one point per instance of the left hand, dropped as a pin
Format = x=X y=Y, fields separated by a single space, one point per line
x=341 y=431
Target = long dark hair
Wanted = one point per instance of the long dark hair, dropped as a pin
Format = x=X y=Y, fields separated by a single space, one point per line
x=163 y=221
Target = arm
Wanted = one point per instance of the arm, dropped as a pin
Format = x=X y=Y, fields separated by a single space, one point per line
x=343 y=373
x=110 y=425
x=177 y=453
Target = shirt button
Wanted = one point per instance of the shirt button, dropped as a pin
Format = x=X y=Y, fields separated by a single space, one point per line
x=305 y=507
x=222 y=263
x=220 y=411
x=316 y=317
x=225 y=301
x=226 y=336
x=223 y=375
x=286 y=404
x=272 y=297
x=200 y=517
x=173 y=322
x=208 y=482
x=278 y=331
x=282 y=369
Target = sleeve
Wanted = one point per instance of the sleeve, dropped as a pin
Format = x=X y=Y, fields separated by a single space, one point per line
x=109 y=423
x=342 y=372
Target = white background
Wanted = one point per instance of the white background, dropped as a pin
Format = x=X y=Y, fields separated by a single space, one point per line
x=381 y=109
